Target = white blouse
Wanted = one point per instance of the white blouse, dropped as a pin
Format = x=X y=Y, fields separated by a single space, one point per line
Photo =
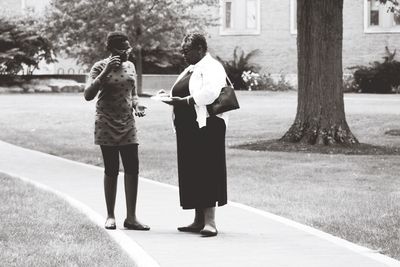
x=205 y=85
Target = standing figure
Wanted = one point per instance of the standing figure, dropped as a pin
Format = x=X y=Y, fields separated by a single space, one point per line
x=115 y=129
x=200 y=137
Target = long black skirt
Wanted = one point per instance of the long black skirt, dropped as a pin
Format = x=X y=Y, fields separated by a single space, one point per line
x=202 y=163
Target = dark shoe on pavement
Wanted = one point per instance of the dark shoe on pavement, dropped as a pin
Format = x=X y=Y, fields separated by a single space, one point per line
x=136 y=226
x=190 y=229
x=208 y=231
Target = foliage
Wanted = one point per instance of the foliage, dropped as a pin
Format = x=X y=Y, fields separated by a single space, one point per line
x=171 y=62
x=256 y=81
x=281 y=85
x=394 y=7
x=80 y=26
x=239 y=64
x=22 y=44
x=349 y=84
x=250 y=79
x=379 y=77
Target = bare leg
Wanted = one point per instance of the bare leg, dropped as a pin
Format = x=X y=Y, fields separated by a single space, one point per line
x=196 y=225
x=110 y=192
x=210 y=228
x=131 y=188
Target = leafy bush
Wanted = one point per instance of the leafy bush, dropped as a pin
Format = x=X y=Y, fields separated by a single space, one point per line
x=23 y=84
x=380 y=77
x=250 y=79
x=240 y=63
x=161 y=61
x=255 y=81
x=22 y=45
x=350 y=85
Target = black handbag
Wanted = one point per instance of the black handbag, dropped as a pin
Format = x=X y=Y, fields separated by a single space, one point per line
x=226 y=100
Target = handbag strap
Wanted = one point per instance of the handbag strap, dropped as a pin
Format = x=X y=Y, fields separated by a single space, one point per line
x=229 y=81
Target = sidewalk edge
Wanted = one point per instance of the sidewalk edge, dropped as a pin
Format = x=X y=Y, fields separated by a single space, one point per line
x=367 y=252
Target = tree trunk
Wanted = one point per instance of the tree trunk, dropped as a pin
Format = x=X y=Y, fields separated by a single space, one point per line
x=320 y=117
x=139 y=70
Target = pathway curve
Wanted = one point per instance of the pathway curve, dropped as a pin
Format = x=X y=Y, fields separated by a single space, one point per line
x=247 y=237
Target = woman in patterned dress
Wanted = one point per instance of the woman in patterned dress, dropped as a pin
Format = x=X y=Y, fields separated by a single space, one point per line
x=113 y=79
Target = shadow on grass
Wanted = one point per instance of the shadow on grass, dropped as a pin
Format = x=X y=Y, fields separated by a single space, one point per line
x=358 y=149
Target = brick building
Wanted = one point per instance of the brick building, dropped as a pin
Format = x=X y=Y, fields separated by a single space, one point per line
x=271 y=27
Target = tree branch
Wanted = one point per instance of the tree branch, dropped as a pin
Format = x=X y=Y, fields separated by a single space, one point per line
x=155 y=2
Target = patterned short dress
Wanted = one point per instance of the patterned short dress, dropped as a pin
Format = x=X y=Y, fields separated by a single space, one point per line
x=115 y=122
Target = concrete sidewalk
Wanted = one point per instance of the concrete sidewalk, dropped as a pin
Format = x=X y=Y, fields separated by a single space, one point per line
x=247 y=237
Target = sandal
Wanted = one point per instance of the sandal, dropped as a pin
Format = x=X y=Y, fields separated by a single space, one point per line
x=110 y=224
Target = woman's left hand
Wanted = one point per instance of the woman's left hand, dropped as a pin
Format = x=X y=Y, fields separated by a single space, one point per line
x=140 y=110
x=176 y=101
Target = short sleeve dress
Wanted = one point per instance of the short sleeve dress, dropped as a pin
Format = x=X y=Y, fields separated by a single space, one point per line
x=115 y=122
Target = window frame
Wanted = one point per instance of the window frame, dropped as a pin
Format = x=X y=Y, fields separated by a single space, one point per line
x=376 y=29
x=233 y=31
x=293 y=17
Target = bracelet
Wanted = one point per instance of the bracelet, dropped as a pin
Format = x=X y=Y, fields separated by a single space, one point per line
x=188 y=100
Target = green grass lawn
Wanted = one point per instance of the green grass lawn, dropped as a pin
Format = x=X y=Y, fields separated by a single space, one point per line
x=39 y=229
x=351 y=196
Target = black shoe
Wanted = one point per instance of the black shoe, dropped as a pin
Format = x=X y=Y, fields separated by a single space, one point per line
x=190 y=229
x=136 y=226
x=208 y=231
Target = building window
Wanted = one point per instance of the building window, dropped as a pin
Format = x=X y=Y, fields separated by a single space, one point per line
x=293 y=16
x=240 y=17
x=379 y=19
x=228 y=15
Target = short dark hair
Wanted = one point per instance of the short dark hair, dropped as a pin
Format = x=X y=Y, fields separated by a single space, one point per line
x=195 y=39
x=116 y=39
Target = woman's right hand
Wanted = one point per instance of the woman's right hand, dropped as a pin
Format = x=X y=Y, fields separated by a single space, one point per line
x=113 y=63
x=162 y=92
x=176 y=101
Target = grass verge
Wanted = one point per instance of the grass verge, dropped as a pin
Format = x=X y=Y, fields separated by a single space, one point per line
x=39 y=229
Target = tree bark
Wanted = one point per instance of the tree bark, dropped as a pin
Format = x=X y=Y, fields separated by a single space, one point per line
x=320 y=117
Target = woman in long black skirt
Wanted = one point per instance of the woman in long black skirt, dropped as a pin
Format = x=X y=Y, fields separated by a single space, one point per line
x=200 y=137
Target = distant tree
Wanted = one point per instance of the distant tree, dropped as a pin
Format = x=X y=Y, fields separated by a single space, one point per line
x=22 y=45
x=80 y=26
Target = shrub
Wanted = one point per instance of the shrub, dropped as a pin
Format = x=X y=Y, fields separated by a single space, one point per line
x=240 y=63
x=281 y=85
x=250 y=79
x=22 y=45
x=379 y=77
x=255 y=81
x=350 y=85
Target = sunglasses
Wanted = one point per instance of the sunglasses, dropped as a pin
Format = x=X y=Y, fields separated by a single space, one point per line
x=186 y=50
x=123 y=51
